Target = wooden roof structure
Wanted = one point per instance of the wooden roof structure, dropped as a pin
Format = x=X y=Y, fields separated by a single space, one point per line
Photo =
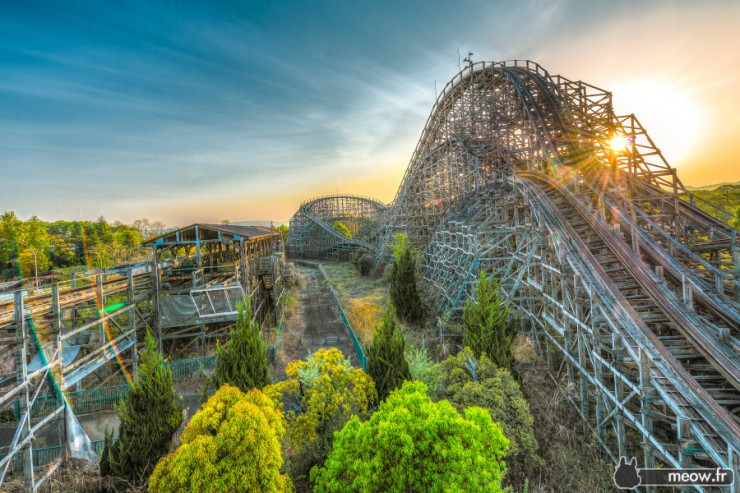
x=208 y=233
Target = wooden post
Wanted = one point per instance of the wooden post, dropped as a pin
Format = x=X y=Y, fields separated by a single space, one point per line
x=132 y=322
x=101 y=304
x=197 y=247
x=59 y=375
x=21 y=370
x=688 y=292
x=155 y=274
x=618 y=394
x=646 y=392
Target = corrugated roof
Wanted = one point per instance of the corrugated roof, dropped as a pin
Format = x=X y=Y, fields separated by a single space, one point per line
x=246 y=232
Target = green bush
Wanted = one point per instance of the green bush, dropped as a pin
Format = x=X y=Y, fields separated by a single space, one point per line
x=423 y=368
x=231 y=444
x=414 y=444
x=342 y=229
x=327 y=391
x=467 y=382
x=363 y=260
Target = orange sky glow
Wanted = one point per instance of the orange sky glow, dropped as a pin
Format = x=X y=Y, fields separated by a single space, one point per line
x=251 y=130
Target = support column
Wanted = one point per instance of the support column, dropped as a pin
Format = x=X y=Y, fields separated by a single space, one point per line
x=101 y=303
x=58 y=375
x=156 y=285
x=21 y=371
x=132 y=322
x=197 y=248
x=618 y=393
x=647 y=392
x=596 y=327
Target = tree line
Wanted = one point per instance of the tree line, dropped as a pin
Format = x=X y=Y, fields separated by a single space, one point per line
x=33 y=248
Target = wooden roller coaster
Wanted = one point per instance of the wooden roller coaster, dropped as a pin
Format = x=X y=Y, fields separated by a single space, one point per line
x=629 y=288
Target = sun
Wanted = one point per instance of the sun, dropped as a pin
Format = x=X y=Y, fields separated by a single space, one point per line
x=619 y=143
x=666 y=109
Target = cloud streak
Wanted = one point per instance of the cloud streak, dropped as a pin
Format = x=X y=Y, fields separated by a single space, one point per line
x=211 y=109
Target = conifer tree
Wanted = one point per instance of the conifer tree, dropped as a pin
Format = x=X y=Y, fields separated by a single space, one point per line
x=149 y=417
x=488 y=327
x=242 y=361
x=403 y=290
x=386 y=360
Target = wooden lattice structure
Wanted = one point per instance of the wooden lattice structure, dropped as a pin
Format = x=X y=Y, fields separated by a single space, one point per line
x=82 y=334
x=203 y=272
x=629 y=289
x=313 y=234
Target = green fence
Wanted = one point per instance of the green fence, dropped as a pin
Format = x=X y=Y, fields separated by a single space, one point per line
x=182 y=368
x=355 y=342
x=273 y=350
x=91 y=400
x=41 y=457
x=47 y=455
x=81 y=401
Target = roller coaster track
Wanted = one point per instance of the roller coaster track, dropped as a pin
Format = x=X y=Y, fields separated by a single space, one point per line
x=630 y=290
x=70 y=296
x=676 y=366
x=359 y=214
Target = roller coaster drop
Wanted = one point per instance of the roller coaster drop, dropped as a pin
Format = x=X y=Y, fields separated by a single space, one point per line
x=630 y=290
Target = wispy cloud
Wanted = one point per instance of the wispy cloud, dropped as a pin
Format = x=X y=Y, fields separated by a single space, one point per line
x=122 y=109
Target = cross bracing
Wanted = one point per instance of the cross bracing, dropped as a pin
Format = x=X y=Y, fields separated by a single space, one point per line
x=80 y=335
x=631 y=291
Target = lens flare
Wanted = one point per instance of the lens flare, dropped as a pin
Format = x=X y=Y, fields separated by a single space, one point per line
x=619 y=143
x=101 y=310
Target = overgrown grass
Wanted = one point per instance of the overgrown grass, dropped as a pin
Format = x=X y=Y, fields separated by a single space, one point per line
x=573 y=462
x=363 y=314
x=363 y=298
x=351 y=285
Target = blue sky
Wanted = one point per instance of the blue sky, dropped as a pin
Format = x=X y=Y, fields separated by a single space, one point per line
x=186 y=111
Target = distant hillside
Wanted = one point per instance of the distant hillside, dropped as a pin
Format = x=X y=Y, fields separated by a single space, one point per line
x=259 y=223
x=715 y=186
x=724 y=195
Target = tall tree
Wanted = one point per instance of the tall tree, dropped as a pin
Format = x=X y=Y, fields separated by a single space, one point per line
x=10 y=230
x=386 y=359
x=149 y=417
x=33 y=247
x=403 y=290
x=242 y=361
x=488 y=326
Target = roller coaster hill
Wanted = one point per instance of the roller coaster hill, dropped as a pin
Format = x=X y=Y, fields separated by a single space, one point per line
x=627 y=287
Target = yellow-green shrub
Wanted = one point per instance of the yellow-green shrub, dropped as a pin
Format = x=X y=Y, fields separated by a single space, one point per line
x=328 y=391
x=232 y=444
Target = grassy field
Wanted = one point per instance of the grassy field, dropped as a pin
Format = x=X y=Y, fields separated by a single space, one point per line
x=363 y=298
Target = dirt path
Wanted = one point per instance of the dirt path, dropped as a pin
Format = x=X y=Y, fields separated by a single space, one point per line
x=314 y=324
